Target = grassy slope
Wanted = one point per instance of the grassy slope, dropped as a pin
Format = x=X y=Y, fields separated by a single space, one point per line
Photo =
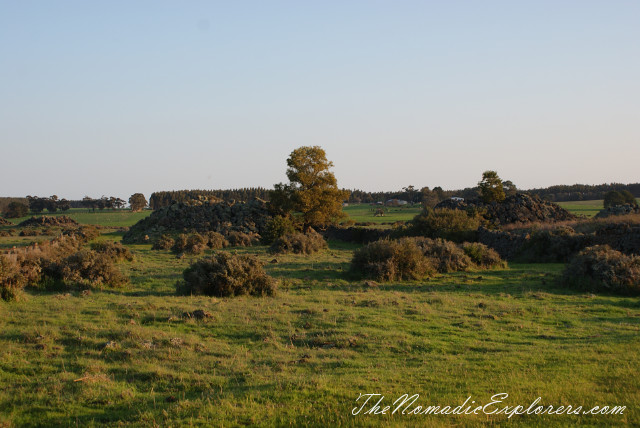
x=302 y=357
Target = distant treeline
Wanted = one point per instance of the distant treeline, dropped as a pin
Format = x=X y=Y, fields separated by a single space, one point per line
x=166 y=198
x=5 y=201
x=583 y=192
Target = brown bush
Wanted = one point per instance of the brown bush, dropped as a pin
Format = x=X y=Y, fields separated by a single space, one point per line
x=224 y=275
x=115 y=250
x=216 y=240
x=600 y=268
x=390 y=260
x=165 y=242
x=552 y=245
x=190 y=244
x=483 y=256
x=241 y=239
x=11 y=279
x=299 y=243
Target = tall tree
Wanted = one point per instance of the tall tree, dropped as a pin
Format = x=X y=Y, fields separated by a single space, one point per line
x=491 y=187
x=312 y=190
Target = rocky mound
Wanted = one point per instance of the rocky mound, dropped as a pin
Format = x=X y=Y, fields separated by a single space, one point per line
x=62 y=220
x=618 y=210
x=519 y=208
x=222 y=217
x=4 y=222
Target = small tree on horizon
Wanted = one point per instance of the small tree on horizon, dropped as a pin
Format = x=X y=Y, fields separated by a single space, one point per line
x=138 y=202
x=491 y=188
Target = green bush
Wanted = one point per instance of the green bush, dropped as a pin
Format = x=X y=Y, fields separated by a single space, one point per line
x=552 y=246
x=277 y=227
x=483 y=256
x=600 y=268
x=90 y=268
x=216 y=240
x=190 y=244
x=391 y=260
x=115 y=250
x=299 y=243
x=444 y=255
x=445 y=223
x=165 y=242
x=224 y=275
x=241 y=239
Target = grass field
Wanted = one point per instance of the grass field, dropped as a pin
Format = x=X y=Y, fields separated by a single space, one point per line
x=128 y=356
x=364 y=213
x=586 y=208
x=117 y=218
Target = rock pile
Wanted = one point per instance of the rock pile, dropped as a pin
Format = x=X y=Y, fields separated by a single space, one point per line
x=519 y=208
x=618 y=210
x=61 y=220
x=222 y=217
x=4 y=222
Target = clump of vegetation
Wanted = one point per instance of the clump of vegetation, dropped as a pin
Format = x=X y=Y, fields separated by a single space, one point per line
x=619 y=197
x=390 y=260
x=115 y=250
x=416 y=258
x=278 y=227
x=299 y=243
x=600 y=268
x=444 y=255
x=85 y=232
x=216 y=240
x=483 y=256
x=165 y=242
x=225 y=275
x=11 y=279
x=491 y=188
x=90 y=268
x=552 y=245
x=241 y=239
x=189 y=244
x=445 y=223
x=16 y=210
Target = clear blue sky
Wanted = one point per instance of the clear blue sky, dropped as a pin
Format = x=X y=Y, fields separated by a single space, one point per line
x=116 y=97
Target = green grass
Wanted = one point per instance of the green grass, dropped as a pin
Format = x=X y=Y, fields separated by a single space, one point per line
x=302 y=358
x=363 y=213
x=586 y=208
x=117 y=218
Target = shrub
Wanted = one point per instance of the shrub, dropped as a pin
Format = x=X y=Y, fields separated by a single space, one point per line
x=451 y=224
x=16 y=210
x=225 y=274
x=600 y=268
x=482 y=255
x=445 y=256
x=191 y=244
x=11 y=280
x=165 y=242
x=29 y=232
x=299 y=243
x=277 y=227
x=115 y=250
x=241 y=239
x=389 y=260
x=90 y=268
x=555 y=245
x=216 y=240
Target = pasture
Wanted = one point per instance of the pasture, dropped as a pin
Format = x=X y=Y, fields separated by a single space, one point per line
x=134 y=356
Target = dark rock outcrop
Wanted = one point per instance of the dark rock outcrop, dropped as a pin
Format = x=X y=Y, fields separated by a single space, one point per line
x=61 y=220
x=223 y=217
x=618 y=210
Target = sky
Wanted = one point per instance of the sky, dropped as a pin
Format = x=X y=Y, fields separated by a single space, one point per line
x=118 y=97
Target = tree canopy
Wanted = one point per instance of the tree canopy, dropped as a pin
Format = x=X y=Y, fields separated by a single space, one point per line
x=312 y=190
x=491 y=189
